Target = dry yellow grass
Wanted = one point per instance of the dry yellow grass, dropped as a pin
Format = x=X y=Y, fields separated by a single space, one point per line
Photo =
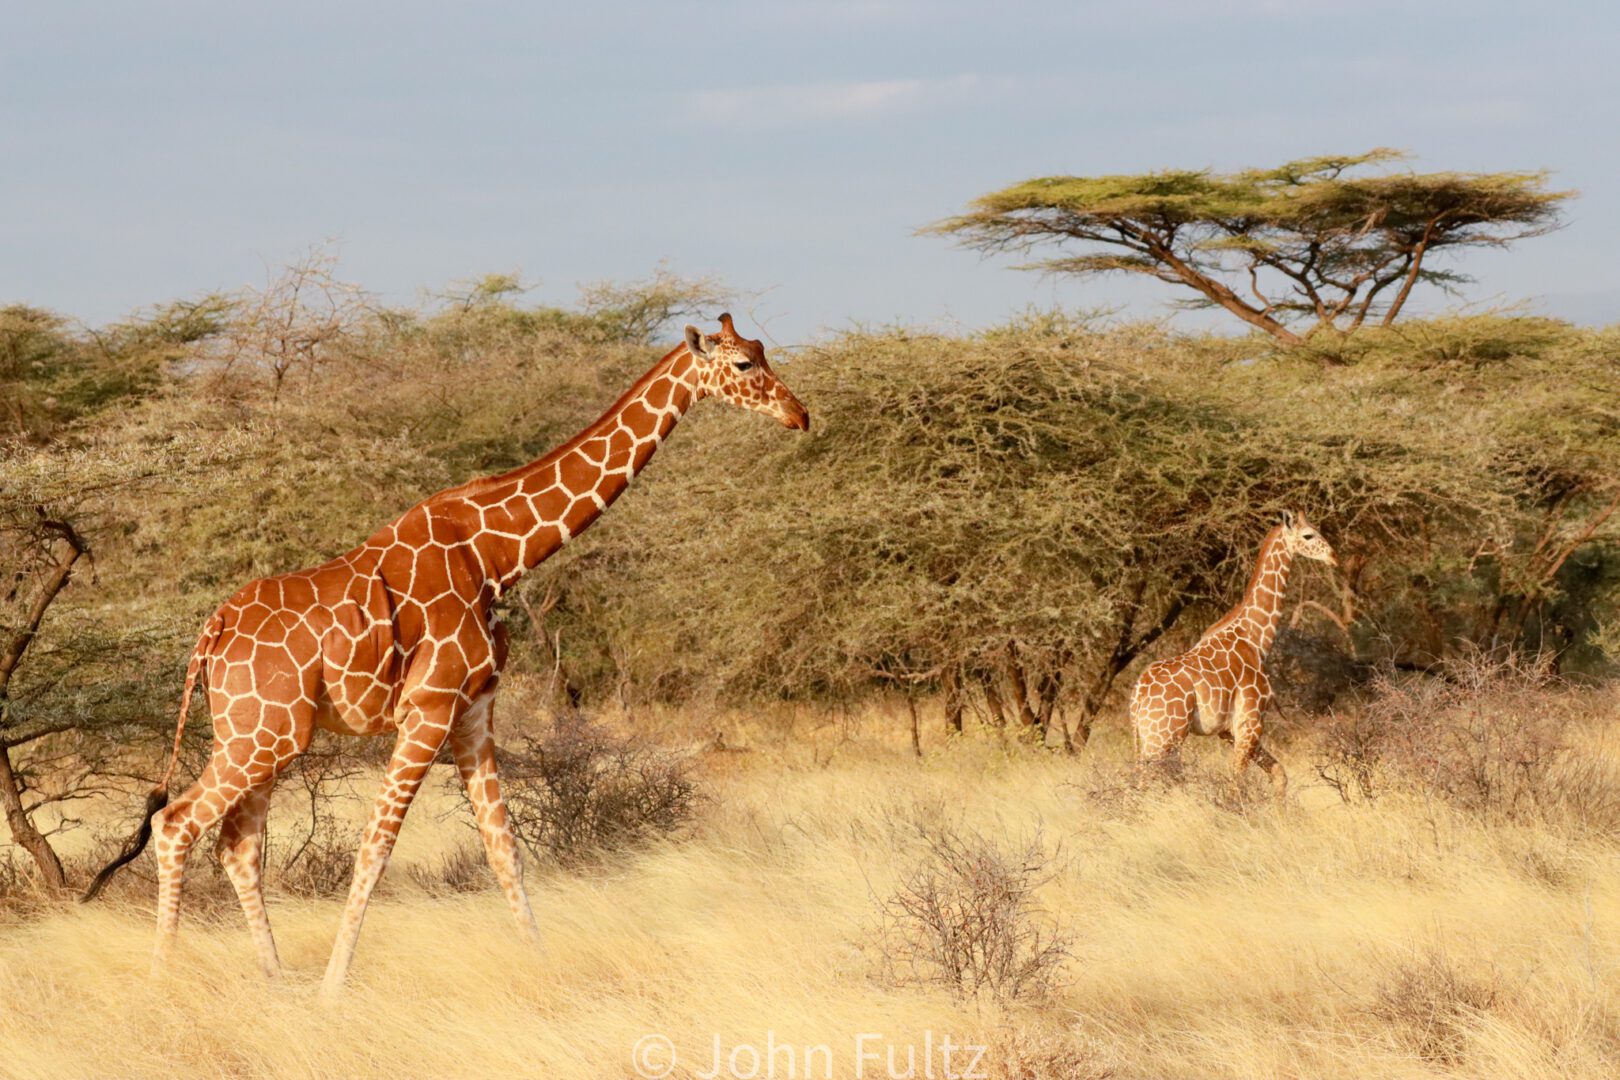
x=1300 y=941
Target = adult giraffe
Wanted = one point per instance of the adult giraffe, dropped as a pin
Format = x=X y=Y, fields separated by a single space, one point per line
x=1219 y=686
x=399 y=636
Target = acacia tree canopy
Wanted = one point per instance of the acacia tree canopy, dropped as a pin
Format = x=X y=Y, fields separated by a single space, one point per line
x=1319 y=241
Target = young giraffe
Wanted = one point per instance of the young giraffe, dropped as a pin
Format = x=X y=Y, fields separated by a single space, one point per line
x=399 y=637
x=1219 y=686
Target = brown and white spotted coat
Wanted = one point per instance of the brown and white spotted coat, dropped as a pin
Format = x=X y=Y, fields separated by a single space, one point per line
x=399 y=637
x=1219 y=686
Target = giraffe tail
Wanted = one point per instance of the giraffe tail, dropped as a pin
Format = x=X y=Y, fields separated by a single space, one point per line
x=158 y=797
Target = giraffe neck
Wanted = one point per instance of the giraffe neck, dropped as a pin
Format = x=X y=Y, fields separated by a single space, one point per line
x=1255 y=617
x=530 y=512
x=1261 y=608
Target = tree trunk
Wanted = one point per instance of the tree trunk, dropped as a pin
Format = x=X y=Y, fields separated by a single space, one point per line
x=1046 y=698
x=953 y=699
x=1225 y=297
x=916 y=728
x=1015 y=683
x=1411 y=276
x=992 y=700
x=23 y=831
x=1095 y=695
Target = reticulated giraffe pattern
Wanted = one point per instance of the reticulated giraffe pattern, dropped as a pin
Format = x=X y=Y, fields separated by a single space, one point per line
x=400 y=636
x=1219 y=686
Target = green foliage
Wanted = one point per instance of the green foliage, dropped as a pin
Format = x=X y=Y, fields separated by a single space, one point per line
x=1314 y=240
x=1038 y=503
x=51 y=376
x=1051 y=486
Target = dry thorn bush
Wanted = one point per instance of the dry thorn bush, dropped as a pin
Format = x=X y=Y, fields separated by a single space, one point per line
x=579 y=789
x=1491 y=735
x=461 y=870
x=1429 y=1005
x=318 y=859
x=1108 y=789
x=1246 y=793
x=1038 y=1054
x=322 y=866
x=966 y=918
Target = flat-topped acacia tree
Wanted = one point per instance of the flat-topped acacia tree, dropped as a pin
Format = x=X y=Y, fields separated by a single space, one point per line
x=1320 y=243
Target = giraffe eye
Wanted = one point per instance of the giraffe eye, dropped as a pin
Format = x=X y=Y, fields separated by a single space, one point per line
x=1310 y=536
x=744 y=365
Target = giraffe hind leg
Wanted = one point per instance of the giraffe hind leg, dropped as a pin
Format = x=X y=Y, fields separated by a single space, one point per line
x=1160 y=732
x=254 y=739
x=176 y=829
x=473 y=743
x=241 y=852
x=1272 y=767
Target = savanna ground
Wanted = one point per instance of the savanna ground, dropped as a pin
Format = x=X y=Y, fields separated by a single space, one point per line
x=1196 y=932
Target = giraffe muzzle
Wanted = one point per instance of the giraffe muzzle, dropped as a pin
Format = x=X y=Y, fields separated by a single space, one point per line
x=795 y=415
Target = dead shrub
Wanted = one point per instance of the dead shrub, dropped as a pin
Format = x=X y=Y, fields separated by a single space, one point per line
x=579 y=789
x=1352 y=748
x=1241 y=795
x=19 y=886
x=322 y=865
x=1479 y=735
x=1429 y=1005
x=460 y=870
x=318 y=861
x=1108 y=789
x=966 y=918
x=1041 y=1054
x=1489 y=733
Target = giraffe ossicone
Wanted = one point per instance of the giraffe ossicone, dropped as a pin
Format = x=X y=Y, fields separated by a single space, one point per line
x=1219 y=686
x=400 y=636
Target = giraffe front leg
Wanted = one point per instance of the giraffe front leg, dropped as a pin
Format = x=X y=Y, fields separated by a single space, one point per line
x=241 y=852
x=473 y=743
x=1273 y=769
x=420 y=739
x=1246 y=747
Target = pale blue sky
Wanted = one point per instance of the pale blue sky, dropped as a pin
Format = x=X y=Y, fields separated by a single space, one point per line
x=159 y=150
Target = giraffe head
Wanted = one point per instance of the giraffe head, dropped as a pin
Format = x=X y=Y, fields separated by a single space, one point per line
x=1302 y=538
x=733 y=368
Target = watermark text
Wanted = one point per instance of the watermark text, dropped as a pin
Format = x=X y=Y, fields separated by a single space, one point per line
x=926 y=1056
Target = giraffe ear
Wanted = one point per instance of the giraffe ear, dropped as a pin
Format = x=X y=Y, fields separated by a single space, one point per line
x=1288 y=519
x=694 y=341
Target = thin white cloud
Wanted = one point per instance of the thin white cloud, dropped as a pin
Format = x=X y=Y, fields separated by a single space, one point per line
x=757 y=104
